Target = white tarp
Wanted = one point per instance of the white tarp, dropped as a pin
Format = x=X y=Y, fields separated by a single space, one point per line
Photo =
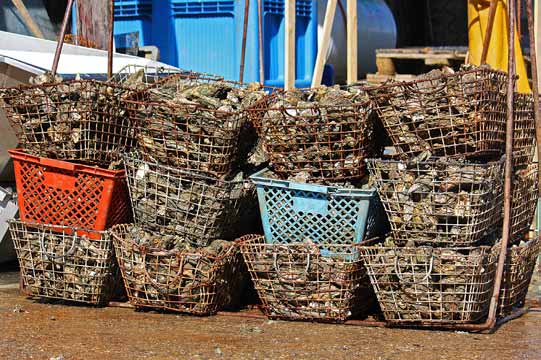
x=30 y=52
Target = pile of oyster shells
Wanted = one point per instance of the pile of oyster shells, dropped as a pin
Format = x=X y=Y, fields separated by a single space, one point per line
x=80 y=120
x=193 y=124
x=518 y=271
x=195 y=207
x=443 y=202
x=59 y=265
x=165 y=271
x=423 y=283
x=308 y=281
x=326 y=132
x=446 y=113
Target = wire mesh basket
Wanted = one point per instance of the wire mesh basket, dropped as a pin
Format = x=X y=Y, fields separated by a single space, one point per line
x=425 y=285
x=80 y=120
x=192 y=205
x=192 y=122
x=457 y=114
x=524 y=133
x=327 y=138
x=64 y=262
x=143 y=76
x=440 y=202
x=518 y=271
x=524 y=202
x=300 y=282
x=198 y=282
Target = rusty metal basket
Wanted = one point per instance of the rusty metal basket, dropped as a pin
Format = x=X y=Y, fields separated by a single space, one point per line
x=60 y=262
x=80 y=120
x=524 y=133
x=327 y=141
x=311 y=282
x=151 y=75
x=187 y=135
x=192 y=205
x=196 y=282
x=524 y=202
x=426 y=285
x=440 y=202
x=448 y=115
x=518 y=271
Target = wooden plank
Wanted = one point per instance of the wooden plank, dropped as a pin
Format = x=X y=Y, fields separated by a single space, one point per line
x=34 y=28
x=290 y=58
x=459 y=50
x=352 y=44
x=323 y=47
x=91 y=21
x=422 y=56
x=385 y=66
x=435 y=61
x=379 y=78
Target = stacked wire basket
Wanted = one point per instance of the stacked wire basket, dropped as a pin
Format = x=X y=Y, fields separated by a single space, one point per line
x=443 y=196
x=154 y=178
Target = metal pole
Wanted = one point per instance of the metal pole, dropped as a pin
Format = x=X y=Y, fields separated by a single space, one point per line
x=508 y=183
x=60 y=42
x=244 y=32
x=535 y=83
x=111 y=40
x=490 y=26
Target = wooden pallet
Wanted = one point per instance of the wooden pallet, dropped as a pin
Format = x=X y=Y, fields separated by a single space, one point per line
x=430 y=56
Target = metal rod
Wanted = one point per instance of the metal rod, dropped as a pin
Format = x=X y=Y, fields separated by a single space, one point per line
x=244 y=32
x=260 y=39
x=535 y=83
x=60 y=42
x=488 y=33
x=111 y=39
x=519 y=31
x=508 y=181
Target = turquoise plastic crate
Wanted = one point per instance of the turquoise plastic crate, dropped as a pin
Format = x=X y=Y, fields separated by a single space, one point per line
x=206 y=36
x=294 y=212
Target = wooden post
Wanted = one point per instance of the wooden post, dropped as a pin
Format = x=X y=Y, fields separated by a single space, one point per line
x=352 y=35
x=260 y=39
x=324 y=45
x=34 y=29
x=290 y=58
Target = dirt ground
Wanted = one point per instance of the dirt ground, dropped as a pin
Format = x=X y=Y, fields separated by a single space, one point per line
x=31 y=330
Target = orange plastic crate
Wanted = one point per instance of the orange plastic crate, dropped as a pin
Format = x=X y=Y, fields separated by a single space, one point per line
x=64 y=193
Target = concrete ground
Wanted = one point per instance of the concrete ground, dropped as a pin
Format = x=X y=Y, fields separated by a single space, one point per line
x=33 y=330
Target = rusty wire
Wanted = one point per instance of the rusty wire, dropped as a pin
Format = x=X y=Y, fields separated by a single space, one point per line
x=460 y=114
x=438 y=202
x=314 y=282
x=432 y=286
x=66 y=263
x=194 y=282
